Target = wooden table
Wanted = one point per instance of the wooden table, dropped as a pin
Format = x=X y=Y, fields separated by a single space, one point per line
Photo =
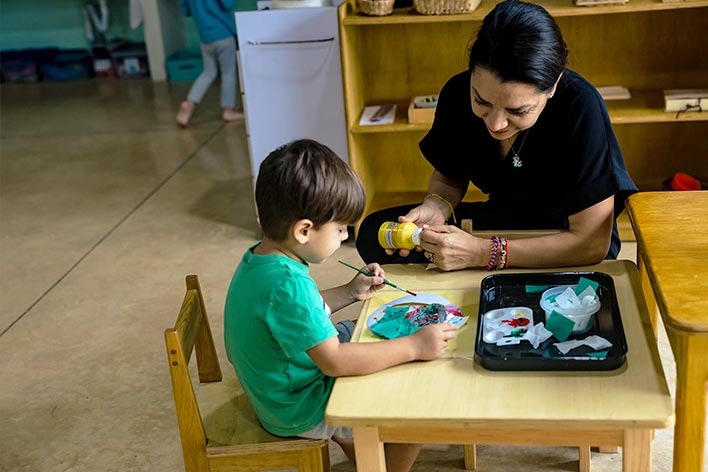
x=672 y=252
x=454 y=400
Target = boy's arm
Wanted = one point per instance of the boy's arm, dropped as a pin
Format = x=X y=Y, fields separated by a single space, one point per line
x=337 y=359
x=361 y=287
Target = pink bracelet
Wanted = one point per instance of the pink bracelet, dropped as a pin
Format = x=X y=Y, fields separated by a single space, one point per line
x=503 y=254
x=492 y=264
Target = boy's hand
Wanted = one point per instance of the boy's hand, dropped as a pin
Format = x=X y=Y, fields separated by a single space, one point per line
x=430 y=341
x=364 y=287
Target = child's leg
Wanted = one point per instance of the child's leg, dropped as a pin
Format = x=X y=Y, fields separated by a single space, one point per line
x=226 y=55
x=200 y=86
x=401 y=457
x=347 y=445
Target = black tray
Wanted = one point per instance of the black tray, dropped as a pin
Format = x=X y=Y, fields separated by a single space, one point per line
x=509 y=290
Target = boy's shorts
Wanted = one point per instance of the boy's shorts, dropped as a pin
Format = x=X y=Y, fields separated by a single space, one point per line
x=323 y=430
x=345 y=329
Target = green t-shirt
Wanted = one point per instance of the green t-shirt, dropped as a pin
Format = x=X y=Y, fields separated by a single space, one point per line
x=273 y=314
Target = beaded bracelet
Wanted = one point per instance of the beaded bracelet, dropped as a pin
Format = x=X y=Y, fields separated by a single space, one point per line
x=503 y=254
x=452 y=209
x=492 y=264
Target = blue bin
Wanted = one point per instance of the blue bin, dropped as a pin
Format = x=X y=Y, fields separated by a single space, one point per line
x=184 y=65
x=68 y=64
x=19 y=66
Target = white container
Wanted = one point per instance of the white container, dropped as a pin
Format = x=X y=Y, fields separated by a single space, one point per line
x=581 y=316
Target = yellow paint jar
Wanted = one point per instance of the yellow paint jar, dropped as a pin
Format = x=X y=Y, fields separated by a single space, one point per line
x=394 y=235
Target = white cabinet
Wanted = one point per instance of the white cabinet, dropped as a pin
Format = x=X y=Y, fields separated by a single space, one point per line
x=290 y=75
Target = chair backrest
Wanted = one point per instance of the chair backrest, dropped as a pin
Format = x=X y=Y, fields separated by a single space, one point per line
x=191 y=332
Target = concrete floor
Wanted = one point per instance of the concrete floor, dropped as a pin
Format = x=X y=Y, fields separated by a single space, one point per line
x=105 y=206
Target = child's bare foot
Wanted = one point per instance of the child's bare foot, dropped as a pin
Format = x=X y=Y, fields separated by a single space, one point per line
x=230 y=115
x=185 y=113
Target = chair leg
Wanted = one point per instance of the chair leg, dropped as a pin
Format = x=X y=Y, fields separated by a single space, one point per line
x=470 y=456
x=314 y=460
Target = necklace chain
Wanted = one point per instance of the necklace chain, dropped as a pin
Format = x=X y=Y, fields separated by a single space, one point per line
x=516 y=160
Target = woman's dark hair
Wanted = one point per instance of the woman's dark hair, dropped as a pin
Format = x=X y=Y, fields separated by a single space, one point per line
x=306 y=180
x=520 y=42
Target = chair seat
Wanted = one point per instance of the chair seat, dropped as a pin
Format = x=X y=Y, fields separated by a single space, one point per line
x=229 y=419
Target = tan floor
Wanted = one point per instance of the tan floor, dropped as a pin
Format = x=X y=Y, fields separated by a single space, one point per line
x=105 y=205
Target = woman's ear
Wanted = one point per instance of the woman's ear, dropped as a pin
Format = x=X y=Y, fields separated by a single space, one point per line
x=302 y=229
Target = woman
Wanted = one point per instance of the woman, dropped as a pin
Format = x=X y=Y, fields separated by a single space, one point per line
x=535 y=137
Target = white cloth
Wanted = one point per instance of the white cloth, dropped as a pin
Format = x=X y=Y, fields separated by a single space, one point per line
x=136 y=13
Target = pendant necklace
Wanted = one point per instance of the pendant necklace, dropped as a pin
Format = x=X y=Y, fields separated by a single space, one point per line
x=516 y=160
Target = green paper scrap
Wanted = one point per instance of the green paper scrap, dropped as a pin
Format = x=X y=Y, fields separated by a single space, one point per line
x=559 y=325
x=394 y=324
x=552 y=298
x=537 y=288
x=599 y=354
x=584 y=283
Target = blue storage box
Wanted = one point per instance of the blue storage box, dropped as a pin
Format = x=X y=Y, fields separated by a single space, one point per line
x=184 y=65
x=67 y=64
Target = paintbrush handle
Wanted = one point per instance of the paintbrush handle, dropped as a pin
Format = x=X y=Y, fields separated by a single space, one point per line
x=369 y=274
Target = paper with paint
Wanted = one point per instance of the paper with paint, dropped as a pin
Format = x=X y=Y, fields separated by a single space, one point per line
x=407 y=315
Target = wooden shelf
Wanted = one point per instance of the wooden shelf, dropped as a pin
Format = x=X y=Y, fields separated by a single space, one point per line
x=557 y=8
x=644 y=45
x=645 y=106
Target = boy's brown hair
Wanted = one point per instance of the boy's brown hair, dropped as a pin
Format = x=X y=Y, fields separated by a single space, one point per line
x=306 y=180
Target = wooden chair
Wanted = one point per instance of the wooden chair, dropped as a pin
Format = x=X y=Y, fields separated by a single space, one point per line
x=226 y=434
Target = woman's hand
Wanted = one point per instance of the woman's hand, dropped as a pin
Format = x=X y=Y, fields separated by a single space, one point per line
x=453 y=248
x=363 y=287
x=424 y=214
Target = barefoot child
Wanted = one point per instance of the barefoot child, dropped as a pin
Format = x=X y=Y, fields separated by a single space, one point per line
x=278 y=335
x=217 y=30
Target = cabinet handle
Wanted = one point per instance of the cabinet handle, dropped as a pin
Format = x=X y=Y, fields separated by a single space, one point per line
x=304 y=41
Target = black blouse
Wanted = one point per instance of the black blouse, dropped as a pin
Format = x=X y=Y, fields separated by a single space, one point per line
x=570 y=158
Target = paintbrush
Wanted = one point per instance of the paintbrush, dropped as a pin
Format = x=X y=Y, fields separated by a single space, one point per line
x=362 y=271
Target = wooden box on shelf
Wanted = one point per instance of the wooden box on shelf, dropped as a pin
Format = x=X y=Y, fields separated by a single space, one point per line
x=420 y=115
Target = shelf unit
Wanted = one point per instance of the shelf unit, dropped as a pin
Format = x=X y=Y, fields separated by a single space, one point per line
x=644 y=45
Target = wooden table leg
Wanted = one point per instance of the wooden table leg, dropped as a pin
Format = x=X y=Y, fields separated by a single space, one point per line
x=652 y=307
x=636 y=451
x=470 y=456
x=369 y=450
x=584 y=458
x=691 y=353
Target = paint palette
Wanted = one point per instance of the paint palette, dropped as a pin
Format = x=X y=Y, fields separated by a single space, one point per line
x=504 y=326
x=511 y=302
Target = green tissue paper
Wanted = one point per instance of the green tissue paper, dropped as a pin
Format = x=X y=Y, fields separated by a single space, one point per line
x=559 y=325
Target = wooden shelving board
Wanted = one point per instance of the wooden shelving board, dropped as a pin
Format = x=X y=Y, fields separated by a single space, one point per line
x=557 y=8
x=645 y=106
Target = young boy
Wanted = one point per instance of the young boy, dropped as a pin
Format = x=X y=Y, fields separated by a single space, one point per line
x=278 y=335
